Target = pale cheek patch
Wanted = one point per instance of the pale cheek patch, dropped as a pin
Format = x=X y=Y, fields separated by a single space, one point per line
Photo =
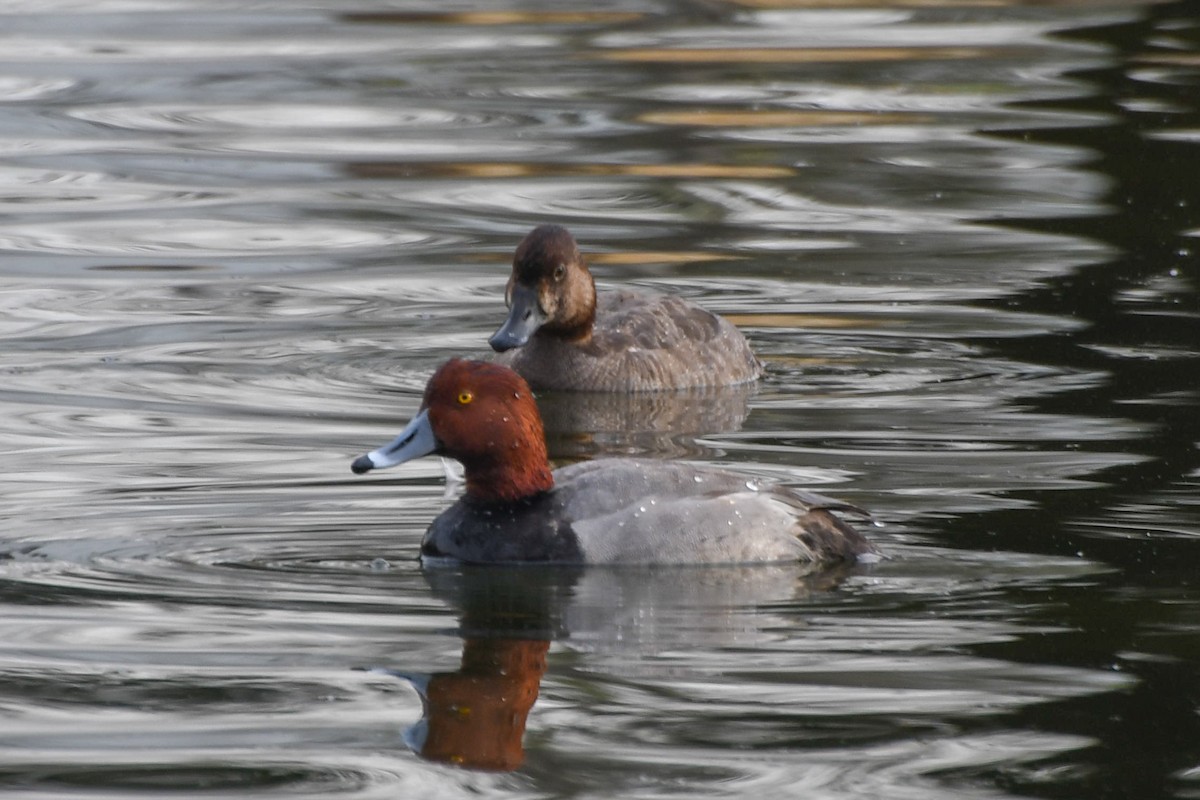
x=548 y=300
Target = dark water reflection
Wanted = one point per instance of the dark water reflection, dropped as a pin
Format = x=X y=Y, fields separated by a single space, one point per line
x=239 y=238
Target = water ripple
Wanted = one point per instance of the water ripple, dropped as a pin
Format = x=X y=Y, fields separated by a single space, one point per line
x=194 y=238
x=21 y=89
x=565 y=200
x=214 y=119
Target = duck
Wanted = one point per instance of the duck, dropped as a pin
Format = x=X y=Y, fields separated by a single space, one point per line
x=563 y=335
x=609 y=511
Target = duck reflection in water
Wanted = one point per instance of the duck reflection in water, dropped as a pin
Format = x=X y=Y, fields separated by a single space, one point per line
x=475 y=716
x=587 y=424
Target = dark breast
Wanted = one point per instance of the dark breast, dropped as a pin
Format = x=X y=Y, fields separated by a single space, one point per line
x=529 y=531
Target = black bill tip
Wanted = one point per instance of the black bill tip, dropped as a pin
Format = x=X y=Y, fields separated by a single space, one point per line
x=362 y=464
x=502 y=341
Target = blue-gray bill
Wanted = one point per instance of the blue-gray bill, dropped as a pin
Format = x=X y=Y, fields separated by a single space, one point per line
x=414 y=441
x=525 y=316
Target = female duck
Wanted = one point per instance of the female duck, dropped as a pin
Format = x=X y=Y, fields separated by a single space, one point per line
x=572 y=338
x=609 y=511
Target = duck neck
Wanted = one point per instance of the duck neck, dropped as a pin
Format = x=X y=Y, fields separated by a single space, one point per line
x=577 y=325
x=523 y=474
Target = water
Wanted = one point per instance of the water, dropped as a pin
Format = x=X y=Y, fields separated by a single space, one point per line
x=239 y=237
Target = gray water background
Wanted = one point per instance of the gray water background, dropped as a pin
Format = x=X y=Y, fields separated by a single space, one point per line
x=237 y=237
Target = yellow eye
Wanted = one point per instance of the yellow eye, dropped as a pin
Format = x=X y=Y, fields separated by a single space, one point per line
x=465 y=397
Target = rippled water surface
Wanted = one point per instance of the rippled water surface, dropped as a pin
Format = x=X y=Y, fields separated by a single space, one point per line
x=238 y=236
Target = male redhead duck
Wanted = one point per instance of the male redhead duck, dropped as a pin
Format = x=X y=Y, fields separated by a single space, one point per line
x=572 y=338
x=608 y=511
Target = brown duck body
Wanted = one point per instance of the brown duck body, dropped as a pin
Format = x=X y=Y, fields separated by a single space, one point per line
x=639 y=342
x=562 y=334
